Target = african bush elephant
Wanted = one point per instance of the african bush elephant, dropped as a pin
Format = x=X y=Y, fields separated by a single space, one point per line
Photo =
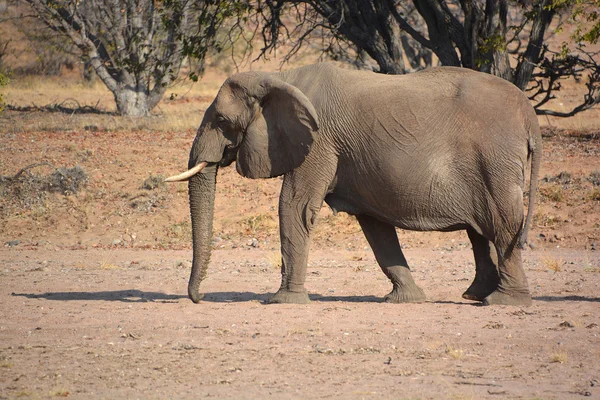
x=443 y=149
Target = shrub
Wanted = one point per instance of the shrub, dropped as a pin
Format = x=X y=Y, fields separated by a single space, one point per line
x=67 y=180
x=153 y=182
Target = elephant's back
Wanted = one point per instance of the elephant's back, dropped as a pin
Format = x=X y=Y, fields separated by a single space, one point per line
x=442 y=98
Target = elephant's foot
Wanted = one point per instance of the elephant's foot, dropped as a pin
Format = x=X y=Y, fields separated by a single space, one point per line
x=509 y=298
x=405 y=294
x=480 y=289
x=284 y=296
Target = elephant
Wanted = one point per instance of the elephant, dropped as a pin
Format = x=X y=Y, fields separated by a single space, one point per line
x=441 y=149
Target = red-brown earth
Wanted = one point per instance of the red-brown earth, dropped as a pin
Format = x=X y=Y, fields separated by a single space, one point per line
x=93 y=296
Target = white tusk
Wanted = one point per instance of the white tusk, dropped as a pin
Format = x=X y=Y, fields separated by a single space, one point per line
x=184 y=176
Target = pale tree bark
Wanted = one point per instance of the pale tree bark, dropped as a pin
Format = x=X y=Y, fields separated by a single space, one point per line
x=136 y=47
x=126 y=43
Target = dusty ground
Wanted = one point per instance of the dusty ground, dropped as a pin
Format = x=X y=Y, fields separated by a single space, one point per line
x=94 y=273
x=123 y=203
x=93 y=296
x=117 y=324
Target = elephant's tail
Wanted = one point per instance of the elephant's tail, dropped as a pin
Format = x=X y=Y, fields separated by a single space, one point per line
x=535 y=154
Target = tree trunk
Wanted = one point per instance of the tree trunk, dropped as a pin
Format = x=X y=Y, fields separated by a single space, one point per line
x=536 y=39
x=202 y=200
x=132 y=102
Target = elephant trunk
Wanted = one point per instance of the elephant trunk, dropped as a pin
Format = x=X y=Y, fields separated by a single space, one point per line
x=202 y=200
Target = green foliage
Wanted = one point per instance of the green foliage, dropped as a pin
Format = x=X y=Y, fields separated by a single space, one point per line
x=585 y=17
x=488 y=47
x=591 y=33
x=220 y=28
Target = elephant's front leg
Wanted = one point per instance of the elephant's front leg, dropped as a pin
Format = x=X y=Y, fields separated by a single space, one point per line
x=299 y=205
x=383 y=240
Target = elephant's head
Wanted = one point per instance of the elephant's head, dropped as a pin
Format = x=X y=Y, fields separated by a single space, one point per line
x=264 y=123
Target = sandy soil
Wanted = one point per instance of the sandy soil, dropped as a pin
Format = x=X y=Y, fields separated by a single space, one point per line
x=93 y=296
x=125 y=204
x=125 y=329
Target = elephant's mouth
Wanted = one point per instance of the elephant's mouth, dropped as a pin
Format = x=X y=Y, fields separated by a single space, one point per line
x=229 y=155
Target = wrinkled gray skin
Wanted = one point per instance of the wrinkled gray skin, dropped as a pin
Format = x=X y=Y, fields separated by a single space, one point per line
x=444 y=149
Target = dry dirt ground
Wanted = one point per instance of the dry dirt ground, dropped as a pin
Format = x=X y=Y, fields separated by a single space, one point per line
x=123 y=328
x=93 y=296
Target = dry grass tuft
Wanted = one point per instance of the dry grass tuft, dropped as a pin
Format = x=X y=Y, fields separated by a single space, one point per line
x=107 y=260
x=259 y=223
x=59 y=392
x=456 y=354
x=553 y=264
x=542 y=219
x=558 y=358
x=554 y=193
x=274 y=260
x=181 y=231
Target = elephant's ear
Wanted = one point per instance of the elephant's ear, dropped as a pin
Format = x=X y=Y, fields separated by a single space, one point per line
x=281 y=134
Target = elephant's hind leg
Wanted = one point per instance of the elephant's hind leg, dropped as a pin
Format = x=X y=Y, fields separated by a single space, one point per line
x=513 y=288
x=383 y=240
x=486 y=270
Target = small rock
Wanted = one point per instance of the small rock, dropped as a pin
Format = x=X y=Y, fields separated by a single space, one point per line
x=13 y=243
x=558 y=236
x=253 y=242
x=116 y=242
x=185 y=346
x=566 y=324
x=183 y=264
x=495 y=325
x=532 y=246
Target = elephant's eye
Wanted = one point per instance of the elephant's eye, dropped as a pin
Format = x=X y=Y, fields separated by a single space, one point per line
x=221 y=121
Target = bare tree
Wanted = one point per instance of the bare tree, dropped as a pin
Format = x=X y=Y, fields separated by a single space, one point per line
x=400 y=35
x=136 y=47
